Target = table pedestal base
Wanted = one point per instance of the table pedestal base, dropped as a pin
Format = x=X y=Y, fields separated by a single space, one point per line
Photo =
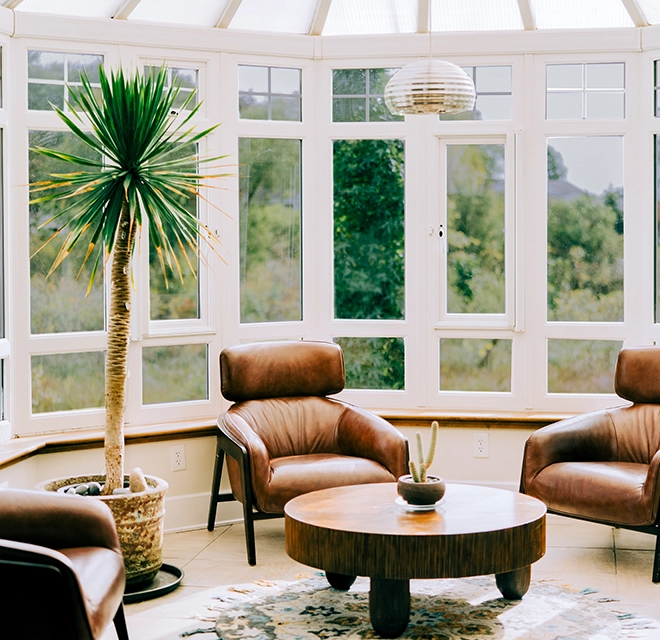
x=389 y=606
x=339 y=581
x=513 y=585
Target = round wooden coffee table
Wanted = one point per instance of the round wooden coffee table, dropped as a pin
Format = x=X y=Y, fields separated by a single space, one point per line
x=362 y=531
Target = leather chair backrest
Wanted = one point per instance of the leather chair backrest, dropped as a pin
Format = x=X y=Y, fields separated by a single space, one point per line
x=637 y=376
x=281 y=370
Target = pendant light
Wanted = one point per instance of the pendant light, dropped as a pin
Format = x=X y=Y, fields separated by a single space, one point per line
x=429 y=86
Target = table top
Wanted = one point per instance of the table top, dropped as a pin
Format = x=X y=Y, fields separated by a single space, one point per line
x=371 y=508
x=361 y=530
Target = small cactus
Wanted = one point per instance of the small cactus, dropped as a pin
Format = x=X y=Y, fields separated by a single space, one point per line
x=418 y=469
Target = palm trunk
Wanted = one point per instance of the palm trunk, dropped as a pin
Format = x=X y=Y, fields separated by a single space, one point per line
x=119 y=325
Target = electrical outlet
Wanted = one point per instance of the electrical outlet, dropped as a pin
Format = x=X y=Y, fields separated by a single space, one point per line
x=480 y=445
x=178 y=457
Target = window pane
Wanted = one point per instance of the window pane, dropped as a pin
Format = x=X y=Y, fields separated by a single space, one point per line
x=349 y=82
x=253 y=107
x=564 y=106
x=58 y=302
x=253 y=79
x=174 y=295
x=373 y=363
x=40 y=96
x=369 y=228
x=45 y=65
x=564 y=76
x=657 y=228
x=604 y=105
x=269 y=93
x=77 y=63
x=493 y=108
x=378 y=111
x=582 y=366
x=378 y=79
x=270 y=223
x=585 y=229
x=285 y=81
x=285 y=109
x=605 y=76
x=475 y=228
x=475 y=364
x=68 y=381
x=348 y=110
x=492 y=80
x=162 y=379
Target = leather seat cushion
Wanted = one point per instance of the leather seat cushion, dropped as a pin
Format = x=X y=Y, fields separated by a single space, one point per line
x=611 y=492
x=101 y=580
x=292 y=476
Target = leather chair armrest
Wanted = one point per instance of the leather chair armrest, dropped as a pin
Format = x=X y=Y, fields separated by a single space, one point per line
x=365 y=435
x=236 y=426
x=32 y=553
x=587 y=437
x=651 y=487
x=56 y=521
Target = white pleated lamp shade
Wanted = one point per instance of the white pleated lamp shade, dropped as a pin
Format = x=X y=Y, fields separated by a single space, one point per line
x=429 y=86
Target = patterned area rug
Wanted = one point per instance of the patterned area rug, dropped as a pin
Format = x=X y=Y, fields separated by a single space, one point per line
x=465 y=609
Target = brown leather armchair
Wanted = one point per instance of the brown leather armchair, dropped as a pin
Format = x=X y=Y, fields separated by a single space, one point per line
x=61 y=567
x=283 y=437
x=603 y=465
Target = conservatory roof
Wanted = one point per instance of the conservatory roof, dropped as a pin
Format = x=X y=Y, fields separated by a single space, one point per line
x=359 y=17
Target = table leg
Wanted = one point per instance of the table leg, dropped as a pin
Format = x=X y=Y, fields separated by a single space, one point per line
x=389 y=606
x=339 y=580
x=513 y=585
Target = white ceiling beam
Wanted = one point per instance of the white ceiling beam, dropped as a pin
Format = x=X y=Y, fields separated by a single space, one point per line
x=527 y=15
x=423 y=15
x=125 y=9
x=228 y=14
x=320 y=16
x=11 y=4
x=635 y=12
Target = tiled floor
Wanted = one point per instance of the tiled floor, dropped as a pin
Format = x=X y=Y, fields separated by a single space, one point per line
x=579 y=555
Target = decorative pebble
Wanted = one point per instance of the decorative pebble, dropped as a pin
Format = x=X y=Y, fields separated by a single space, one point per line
x=138 y=483
x=71 y=491
x=120 y=491
x=94 y=489
x=82 y=489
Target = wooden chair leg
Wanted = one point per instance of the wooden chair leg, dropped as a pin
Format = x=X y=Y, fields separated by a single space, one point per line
x=248 y=519
x=120 y=624
x=215 y=486
x=656 y=558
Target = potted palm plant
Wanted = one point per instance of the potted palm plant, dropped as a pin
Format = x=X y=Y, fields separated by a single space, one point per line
x=144 y=174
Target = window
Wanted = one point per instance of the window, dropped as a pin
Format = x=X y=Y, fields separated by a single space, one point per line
x=51 y=75
x=585 y=91
x=468 y=364
x=162 y=381
x=373 y=363
x=270 y=229
x=494 y=99
x=582 y=366
x=174 y=289
x=186 y=79
x=58 y=302
x=269 y=93
x=475 y=229
x=585 y=229
x=358 y=95
x=369 y=229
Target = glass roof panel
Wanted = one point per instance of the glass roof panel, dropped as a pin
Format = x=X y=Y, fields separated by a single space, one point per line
x=476 y=15
x=204 y=13
x=349 y=17
x=287 y=16
x=651 y=9
x=585 y=14
x=82 y=8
